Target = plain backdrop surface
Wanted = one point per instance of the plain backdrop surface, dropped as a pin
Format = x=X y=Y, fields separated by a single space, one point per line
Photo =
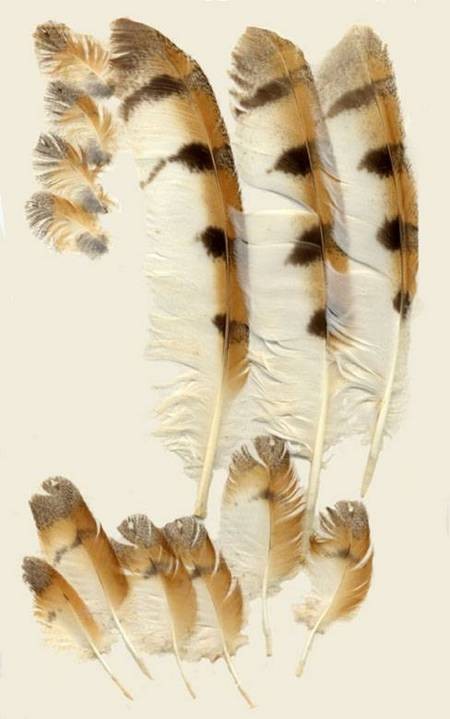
x=76 y=398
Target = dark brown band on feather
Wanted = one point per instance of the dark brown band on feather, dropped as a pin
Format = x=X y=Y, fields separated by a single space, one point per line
x=158 y=88
x=214 y=240
x=266 y=94
x=402 y=306
x=296 y=161
x=308 y=248
x=318 y=324
x=196 y=156
x=237 y=331
x=383 y=161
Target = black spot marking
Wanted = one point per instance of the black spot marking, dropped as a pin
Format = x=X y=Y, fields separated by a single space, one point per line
x=237 y=331
x=295 y=161
x=353 y=100
x=383 y=161
x=158 y=88
x=389 y=234
x=51 y=616
x=196 y=156
x=318 y=324
x=196 y=573
x=60 y=554
x=308 y=248
x=265 y=94
x=402 y=307
x=215 y=241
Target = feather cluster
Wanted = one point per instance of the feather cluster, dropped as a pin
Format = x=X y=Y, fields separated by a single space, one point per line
x=69 y=158
x=288 y=329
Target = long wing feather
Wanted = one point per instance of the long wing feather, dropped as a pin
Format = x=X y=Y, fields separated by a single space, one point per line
x=219 y=596
x=282 y=146
x=262 y=521
x=185 y=164
x=75 y=544
x=77 y=59
x=358 y=93
x=67 y=623
x=340 y=566
x=161 y=609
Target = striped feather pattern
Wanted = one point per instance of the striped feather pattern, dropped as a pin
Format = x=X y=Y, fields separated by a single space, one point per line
x=358 y=93
x=185 y=165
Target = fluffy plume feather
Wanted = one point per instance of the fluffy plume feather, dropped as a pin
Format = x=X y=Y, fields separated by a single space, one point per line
x=262 y=521
x=79 y=119
x=65 y=224
x=358 y=94
x=219 y=596
x=77 y=546
x=340 y=566
x=161 y=608
x=65 y=619
x=185 y=164
x=63 y=168
x=77 y=59
x=282 y=146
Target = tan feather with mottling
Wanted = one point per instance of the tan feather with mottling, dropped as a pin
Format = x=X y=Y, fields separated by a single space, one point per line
x=340 y=567
x=262 y=521
x=66 y=621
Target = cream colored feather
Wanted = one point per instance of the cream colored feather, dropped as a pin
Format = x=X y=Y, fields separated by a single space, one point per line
x=340 y=567
x=295 y=268
x=176 y=133
x=66 y=621
x=262 y=521
x=220 y=602
x=77 y=546
x=160 y=610
x=357 y=90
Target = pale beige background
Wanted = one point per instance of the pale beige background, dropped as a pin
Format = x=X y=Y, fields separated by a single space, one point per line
x=75 y=398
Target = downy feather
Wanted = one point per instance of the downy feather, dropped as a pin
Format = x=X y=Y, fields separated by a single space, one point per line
x=176 y=133
x=67 y=225
x=66 y=621
x=161 y=608
x=262 y=521
x=63 y=168
x=340 y=567
x=220 y=602
x=78 y=118
x=282 y=146
x=77 y=59
x=357 y=91
x=77 y=546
